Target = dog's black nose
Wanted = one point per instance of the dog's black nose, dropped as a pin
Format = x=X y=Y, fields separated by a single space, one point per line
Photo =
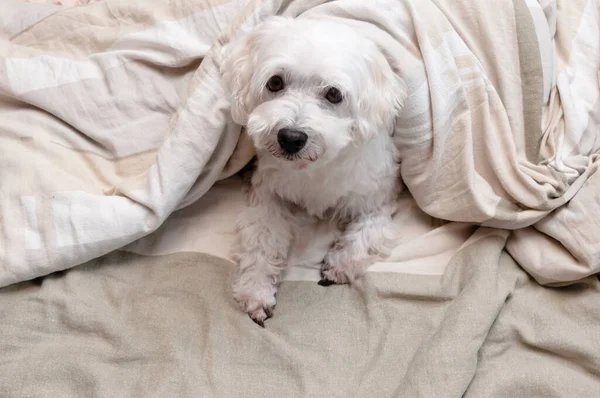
x=291 y=141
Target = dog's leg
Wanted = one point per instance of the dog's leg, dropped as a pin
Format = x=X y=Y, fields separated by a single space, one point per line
x=264 y=238
x=366 y=239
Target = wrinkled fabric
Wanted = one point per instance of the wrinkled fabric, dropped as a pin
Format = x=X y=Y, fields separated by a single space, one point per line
x=112 y=117
x=127 y=325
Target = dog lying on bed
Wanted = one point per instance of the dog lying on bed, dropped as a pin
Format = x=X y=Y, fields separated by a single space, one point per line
x=319 y=102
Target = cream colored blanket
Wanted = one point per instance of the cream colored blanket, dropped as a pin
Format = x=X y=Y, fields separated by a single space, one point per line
x=112 y=116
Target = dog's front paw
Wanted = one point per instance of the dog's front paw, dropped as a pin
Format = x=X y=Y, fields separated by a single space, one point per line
x=337 y=273
x=333 y=276
x=258 y=303
x=339 y=267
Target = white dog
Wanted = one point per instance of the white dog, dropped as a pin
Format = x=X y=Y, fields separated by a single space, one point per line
x=319 y=102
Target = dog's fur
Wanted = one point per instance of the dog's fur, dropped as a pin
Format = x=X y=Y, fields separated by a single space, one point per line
x=348 y=170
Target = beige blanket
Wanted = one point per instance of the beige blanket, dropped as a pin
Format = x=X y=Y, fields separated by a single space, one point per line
x=113 y=116
x=133 y=326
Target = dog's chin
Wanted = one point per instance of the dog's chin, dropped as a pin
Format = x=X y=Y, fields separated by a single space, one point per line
x=302 y=160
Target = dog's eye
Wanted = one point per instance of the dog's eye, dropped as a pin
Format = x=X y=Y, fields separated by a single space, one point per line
x=334 y=95
x=275 y=84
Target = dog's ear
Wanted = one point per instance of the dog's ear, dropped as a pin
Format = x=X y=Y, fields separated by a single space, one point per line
x=236 y=71
x=379 y=103
x=238 y=64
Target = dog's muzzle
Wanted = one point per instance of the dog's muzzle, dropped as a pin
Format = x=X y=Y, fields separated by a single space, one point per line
x=291 y=141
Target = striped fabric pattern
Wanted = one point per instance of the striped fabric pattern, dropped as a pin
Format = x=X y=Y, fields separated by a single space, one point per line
x=113 y=117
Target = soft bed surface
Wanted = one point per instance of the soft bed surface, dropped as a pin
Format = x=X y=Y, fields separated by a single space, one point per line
x=136 y=326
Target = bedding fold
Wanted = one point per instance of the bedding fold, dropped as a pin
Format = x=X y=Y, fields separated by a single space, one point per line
x=112 y=117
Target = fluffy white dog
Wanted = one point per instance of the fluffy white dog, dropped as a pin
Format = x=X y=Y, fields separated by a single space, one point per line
x=319 y=102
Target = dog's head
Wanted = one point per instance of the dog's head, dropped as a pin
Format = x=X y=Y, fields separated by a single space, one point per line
x=307 y=89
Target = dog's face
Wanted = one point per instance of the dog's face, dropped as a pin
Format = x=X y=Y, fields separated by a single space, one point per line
x=307 y=89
